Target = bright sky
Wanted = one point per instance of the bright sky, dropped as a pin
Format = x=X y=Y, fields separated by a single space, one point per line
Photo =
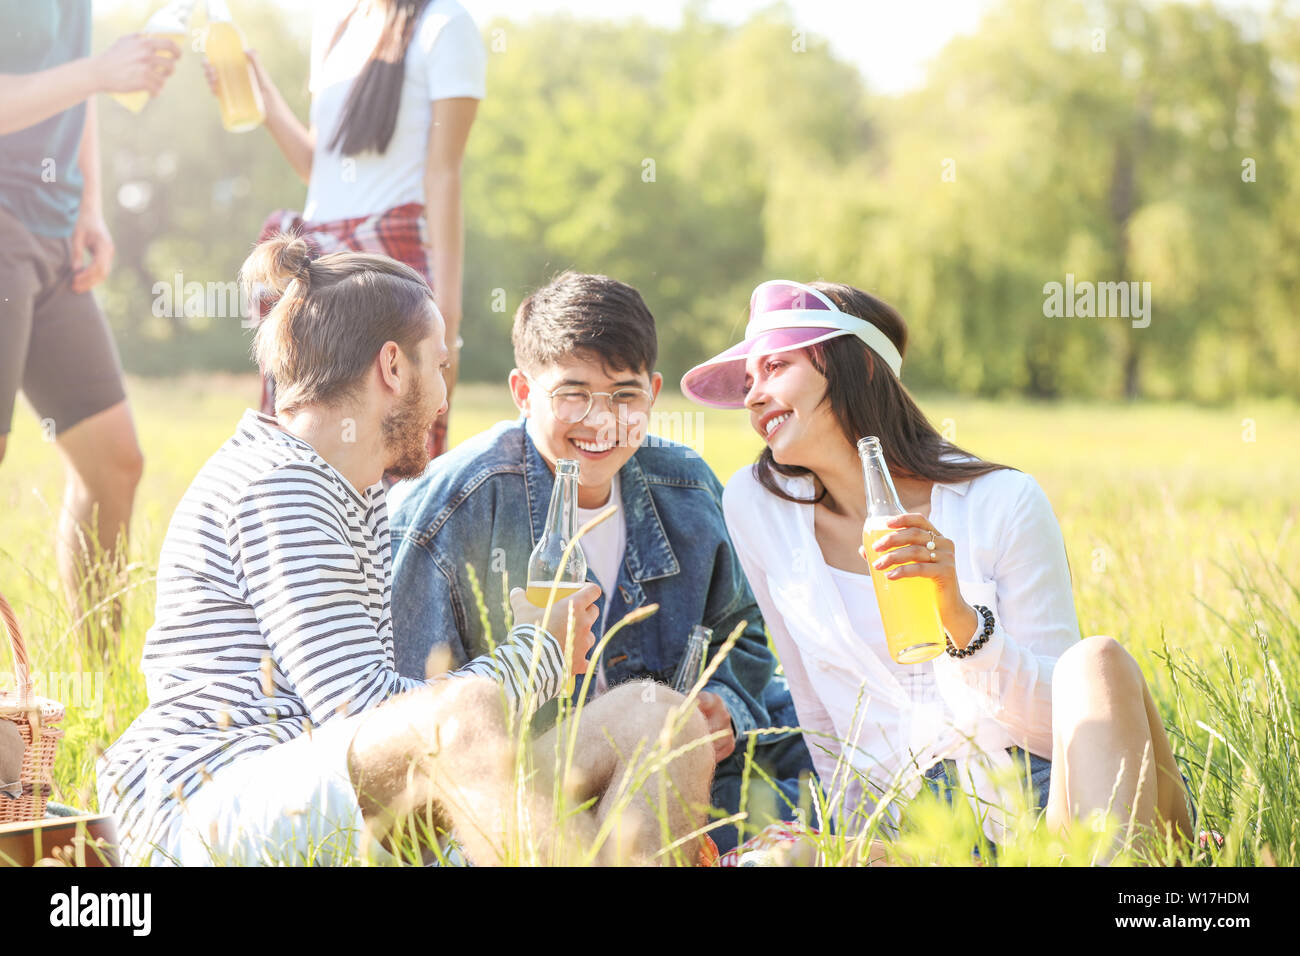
x=890 y=40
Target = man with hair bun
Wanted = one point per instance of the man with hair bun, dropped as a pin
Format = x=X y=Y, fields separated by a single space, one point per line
x=278 y=729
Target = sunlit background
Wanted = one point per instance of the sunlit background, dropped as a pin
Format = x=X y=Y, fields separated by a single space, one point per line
x=952 y=157
x=955 y=158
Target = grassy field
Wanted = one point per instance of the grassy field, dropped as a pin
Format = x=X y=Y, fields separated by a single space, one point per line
x=1180 y=525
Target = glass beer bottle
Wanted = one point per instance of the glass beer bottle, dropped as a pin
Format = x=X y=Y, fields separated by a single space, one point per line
x=692 y=663
x=238 y=94
x=909 y=607
x=171 y=22
x=545 y=573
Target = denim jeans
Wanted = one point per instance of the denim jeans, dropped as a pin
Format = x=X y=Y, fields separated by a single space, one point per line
x=942 y=779
x=784 y=760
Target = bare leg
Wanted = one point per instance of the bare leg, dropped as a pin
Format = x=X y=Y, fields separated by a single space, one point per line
x=1109 y=746
x=619 y=736
x=446 y=748
x=103 y=464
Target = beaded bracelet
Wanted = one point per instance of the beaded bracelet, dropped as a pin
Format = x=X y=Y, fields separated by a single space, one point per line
x=980 y=640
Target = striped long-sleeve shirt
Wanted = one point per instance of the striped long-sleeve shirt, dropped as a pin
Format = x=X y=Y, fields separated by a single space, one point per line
x=274 y=614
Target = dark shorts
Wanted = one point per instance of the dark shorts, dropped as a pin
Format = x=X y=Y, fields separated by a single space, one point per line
x=941 y=779
x=773 y=794
x=55 y=344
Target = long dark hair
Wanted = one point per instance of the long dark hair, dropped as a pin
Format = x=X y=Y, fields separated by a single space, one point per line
x=866 y=398
x=370 y=113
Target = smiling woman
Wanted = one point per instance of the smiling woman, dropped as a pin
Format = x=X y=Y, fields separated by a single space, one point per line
x=832 y=322
x=819 y=369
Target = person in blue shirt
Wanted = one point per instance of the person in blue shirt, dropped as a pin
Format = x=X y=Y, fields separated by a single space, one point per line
x=55 y=345
x=585 y=347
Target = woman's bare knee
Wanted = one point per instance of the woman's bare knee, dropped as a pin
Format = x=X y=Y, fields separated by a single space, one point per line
x=1097 y=659
x=1098 y=650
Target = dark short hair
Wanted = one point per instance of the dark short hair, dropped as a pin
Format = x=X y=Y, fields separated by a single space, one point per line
x=576 y=314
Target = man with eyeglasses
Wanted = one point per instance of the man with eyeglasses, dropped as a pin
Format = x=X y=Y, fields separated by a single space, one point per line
x=585 y=351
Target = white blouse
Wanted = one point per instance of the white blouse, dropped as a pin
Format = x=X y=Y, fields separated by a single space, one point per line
x=1010 y=558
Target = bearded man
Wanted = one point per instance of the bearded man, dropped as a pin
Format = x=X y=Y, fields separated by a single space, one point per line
x=278 y=729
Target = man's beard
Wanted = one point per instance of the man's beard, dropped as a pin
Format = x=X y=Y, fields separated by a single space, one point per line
x=405 y=431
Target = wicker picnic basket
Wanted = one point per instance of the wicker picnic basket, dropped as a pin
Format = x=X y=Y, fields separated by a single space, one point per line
x=35 y=717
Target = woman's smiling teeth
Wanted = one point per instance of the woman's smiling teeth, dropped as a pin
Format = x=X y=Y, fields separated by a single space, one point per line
x=593 y=447
x=776 y=423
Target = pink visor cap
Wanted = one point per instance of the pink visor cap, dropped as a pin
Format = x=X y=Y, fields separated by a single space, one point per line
x=783 y=316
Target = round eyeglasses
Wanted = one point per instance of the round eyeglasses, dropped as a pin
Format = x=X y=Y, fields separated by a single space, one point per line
x=572 y=403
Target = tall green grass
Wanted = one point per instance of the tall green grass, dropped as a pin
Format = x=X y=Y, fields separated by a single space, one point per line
x=1180 y=527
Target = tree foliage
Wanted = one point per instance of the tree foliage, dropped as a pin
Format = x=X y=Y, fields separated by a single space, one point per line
x=1111 y=140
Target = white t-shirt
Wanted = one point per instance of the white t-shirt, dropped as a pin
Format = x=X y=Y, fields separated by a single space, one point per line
x=446 y=59
x=604 y=546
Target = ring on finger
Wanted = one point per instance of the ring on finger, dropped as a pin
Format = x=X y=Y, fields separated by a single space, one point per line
x=929 y=545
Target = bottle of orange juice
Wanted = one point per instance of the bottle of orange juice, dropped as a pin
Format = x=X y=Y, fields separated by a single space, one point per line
x=238 y=95
x=548 y=569
x=909 y=607
x=171 y=22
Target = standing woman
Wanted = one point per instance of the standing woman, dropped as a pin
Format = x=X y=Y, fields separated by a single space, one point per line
x=395 y=87
x=819 y=369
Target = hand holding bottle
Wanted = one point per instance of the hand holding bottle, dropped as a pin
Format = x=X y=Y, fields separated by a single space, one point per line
x=718 y=718
x=238 y=89
x=264 y=84
x=583 y=604
x=905 y=552
x=712 y=706
x=908 y=601
x=135 y=63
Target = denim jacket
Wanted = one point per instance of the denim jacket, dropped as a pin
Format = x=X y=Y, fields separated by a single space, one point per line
x=484 y=504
